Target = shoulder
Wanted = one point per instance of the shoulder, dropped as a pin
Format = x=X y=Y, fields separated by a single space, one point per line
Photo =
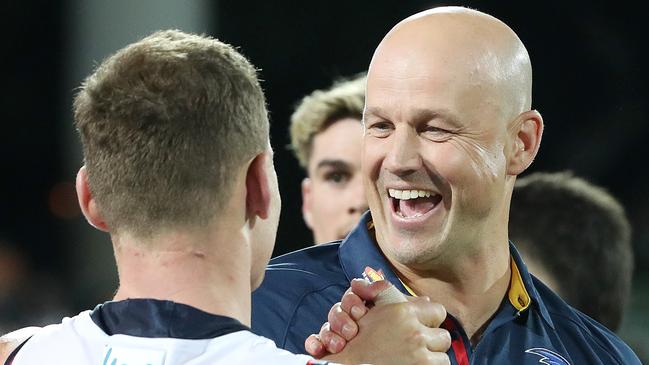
x=60 y=340
x=304 y=271
x=583 y=337
x=13 y=340
x=297 y=292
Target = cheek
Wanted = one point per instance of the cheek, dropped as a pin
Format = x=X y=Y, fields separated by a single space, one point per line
x=471 y=163
x=324 y=200
x=371 y=159
x=473 y=174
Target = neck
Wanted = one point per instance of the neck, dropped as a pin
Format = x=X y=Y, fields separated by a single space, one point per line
x=471 y=287
x=205 y=270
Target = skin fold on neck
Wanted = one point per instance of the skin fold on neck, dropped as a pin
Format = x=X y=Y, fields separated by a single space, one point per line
x=186 y=268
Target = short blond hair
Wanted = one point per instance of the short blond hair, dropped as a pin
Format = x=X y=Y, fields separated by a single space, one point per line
x=164 y=123
x=318 y=110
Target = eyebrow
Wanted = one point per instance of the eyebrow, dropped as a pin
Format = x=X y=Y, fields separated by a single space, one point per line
x=420 y=115
x=338 y=164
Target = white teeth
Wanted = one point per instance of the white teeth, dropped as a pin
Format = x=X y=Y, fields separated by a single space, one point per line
x=408 y=194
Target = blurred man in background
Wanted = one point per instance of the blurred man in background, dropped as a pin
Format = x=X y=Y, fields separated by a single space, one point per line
x=576 y=238
x=326 y=137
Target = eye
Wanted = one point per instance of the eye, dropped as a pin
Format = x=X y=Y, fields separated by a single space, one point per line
x=380 y=129
x=336 y=177
x=435 y=133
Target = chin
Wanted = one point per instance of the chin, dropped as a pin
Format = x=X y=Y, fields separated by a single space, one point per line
x=414 y=250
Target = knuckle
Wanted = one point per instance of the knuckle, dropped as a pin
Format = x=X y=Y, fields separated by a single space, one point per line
x=444 y=338
x=335 y=308
x=406 y=310
x=440 y=339
x=325 y=331
x=349 y=300
x=442 y=359
x=418 y=338
x=335 y=325
x=440 y=312
x=324 y=327
x=325 y=335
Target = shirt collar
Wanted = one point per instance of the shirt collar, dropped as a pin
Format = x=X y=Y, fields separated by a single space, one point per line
x=154 y=318
x=359 y=250
x=523 y=282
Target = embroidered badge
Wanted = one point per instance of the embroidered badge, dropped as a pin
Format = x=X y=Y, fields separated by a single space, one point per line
x=548 y=357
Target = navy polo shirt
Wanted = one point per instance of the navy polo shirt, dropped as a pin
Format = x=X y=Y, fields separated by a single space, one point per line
x=532 y=326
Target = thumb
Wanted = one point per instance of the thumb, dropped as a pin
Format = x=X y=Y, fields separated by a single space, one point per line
x=369 y=291
x=379 y=292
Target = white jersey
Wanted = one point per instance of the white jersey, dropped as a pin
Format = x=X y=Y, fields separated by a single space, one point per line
x=151 y=332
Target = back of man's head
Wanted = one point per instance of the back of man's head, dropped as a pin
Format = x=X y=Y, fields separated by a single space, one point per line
x=579 y=234
x=165 y=123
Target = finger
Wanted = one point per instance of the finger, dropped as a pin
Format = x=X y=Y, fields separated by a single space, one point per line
x=314 y=347
x=332 y=342
x=430 y=314
x=334 y=308
x=341 y=323
x=439 y=340
x=353 y=305
x=438 y=358
x=367 y=291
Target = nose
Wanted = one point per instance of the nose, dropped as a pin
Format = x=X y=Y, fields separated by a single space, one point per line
x=357 y=203
x=403 y=155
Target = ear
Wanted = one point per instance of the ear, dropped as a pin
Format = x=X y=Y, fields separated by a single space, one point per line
x=257 y=188
x=306 y=202
x=87 y=202
x=526 y=133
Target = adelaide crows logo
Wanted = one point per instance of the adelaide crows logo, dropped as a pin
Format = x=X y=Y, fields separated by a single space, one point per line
x=548 y=357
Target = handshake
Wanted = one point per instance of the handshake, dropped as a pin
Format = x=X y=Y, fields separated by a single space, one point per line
x=375 y=323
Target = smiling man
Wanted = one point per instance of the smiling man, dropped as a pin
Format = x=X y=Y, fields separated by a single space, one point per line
x=448 y=127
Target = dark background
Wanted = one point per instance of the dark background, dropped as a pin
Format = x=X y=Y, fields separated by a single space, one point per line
x=590 y=84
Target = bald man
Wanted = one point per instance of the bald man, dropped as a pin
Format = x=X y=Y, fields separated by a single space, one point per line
x=448 y=127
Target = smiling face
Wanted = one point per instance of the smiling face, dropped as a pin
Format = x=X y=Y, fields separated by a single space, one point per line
x=436 y=143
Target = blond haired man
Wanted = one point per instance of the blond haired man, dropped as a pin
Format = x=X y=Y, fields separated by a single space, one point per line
x=326 y=137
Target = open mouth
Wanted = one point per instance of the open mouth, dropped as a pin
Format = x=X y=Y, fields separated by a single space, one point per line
x=413 y=203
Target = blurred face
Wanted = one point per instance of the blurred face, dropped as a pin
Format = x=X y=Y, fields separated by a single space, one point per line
x=333 y=197
x=433 y=153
